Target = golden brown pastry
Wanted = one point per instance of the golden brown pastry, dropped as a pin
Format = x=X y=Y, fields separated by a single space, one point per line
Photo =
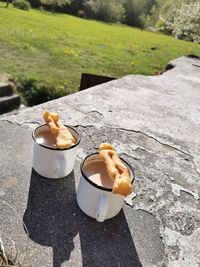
x=116 y=170
x=64 y=138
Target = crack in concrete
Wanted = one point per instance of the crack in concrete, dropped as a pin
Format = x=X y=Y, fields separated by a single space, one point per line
x=21 y=124
x=128 y=156
x=195 y=167
x=196 y=65
x=84 y=126
x=31 y=122
x=193 y=194
x=37 y=122
x=95 y=111
x=79 y=157
x=11 y=122
x=155 y=139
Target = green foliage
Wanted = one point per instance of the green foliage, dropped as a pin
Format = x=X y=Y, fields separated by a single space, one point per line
x=167 y=7
x=75 y=6
x=183 y=20
x=138 y=12
x=35 y=92
x=160 y=23
x=109 y=11
x=187 y=23
x=131 y=17
x=54 y=3
x=167 y=27
x=21 y=4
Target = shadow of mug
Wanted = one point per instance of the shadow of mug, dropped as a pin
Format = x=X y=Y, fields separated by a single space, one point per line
x=107 y=244
x=49 y=213
x=53 y=219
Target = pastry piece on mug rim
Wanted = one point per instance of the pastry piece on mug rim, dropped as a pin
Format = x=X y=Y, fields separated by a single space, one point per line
x=116 y=170
x=64 y=138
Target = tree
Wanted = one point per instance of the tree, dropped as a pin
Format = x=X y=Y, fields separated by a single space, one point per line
x=7 y=3
x=135 y=12
x=55 y=3
x=109 y=11
x=76 y=5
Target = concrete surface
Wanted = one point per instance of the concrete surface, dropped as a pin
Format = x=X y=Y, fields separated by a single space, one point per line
x=154 y=124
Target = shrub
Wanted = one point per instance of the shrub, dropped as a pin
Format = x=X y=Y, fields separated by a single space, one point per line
x=81 y=13
x=167 y=27
x=109 y=11
x=187 y=23
x=184 y=22
x=36 y=92
x=160 y=23
x=21 y=4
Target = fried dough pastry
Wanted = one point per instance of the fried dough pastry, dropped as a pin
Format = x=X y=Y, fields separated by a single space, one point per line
x=64 y=138
x=116 y=170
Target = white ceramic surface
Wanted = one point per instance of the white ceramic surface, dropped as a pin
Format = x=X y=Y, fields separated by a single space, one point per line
x=52 y=162
x=96 y=201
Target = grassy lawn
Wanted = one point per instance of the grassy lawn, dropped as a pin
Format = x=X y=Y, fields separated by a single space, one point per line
x=57 y=48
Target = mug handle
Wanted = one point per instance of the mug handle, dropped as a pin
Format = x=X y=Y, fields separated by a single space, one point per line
x=102 y=208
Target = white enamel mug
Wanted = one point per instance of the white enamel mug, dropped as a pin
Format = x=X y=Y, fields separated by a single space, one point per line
x=96 y=201
x=52 y=162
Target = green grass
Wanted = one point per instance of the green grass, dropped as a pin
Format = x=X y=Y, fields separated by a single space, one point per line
x=57 y=48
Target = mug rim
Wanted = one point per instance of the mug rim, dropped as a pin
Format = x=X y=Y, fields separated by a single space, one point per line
x=56 y=148
x=99 y=186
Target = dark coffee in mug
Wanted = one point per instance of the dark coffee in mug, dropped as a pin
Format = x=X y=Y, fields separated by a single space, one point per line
x=96 y=172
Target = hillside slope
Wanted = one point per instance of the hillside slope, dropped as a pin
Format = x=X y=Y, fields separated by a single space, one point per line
x=58 y=48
